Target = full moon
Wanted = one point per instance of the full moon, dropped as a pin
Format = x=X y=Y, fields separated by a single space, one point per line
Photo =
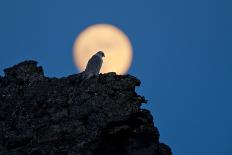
x=109 y=39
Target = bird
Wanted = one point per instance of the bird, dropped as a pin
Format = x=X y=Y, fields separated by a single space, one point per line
x=93 y=66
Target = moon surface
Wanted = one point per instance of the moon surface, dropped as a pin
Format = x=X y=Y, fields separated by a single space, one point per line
x=109 y=39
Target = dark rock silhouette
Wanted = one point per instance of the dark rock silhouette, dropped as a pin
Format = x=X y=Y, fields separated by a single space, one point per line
x=64 y=116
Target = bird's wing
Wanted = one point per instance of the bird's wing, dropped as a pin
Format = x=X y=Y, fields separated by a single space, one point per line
x=94 y=64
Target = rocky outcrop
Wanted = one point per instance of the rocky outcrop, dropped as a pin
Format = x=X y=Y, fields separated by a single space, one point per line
x=66 y=116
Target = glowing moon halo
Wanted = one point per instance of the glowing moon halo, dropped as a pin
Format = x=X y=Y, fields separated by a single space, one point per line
x=109 y=39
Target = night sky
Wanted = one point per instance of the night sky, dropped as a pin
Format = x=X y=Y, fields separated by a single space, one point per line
x=182 y=55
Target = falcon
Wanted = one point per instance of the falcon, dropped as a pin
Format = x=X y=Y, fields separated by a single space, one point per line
x=94 y=65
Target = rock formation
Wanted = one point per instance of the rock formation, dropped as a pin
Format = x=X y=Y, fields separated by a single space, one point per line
x=65 y=116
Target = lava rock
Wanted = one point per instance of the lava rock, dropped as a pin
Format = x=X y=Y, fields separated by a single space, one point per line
x=66 y=116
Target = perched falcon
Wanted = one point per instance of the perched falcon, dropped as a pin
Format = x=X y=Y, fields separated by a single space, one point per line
x=94 y=65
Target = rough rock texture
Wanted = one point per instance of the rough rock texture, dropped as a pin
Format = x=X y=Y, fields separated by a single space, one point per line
x=65 y=116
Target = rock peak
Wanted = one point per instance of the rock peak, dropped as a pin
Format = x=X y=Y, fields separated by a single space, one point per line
x=24 y=70
x=42 y=115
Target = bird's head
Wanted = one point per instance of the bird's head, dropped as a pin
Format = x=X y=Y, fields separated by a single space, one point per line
x=100 y=53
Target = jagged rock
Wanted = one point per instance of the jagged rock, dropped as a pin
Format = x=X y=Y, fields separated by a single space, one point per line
x=102 y=116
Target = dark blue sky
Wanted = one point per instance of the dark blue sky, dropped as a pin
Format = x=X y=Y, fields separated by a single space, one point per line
x=182 y=55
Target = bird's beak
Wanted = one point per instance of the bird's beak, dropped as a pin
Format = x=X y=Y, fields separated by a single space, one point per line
x=103 y=55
